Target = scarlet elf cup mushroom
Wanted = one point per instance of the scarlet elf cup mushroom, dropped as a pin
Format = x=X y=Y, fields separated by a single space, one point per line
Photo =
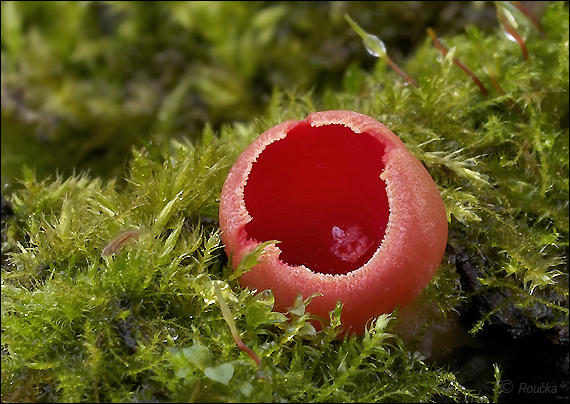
x=358 y=217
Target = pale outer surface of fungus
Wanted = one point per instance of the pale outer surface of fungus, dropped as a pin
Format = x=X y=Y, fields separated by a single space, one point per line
x=407 y=258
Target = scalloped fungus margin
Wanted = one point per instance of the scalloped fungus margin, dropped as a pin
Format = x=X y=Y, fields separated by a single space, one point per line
x=359 y=218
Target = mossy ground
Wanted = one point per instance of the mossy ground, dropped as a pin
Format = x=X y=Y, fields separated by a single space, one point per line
x=146 y=324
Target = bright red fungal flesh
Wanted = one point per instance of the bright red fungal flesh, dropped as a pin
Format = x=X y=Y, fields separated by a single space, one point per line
x=326 y=203
x=359 y=218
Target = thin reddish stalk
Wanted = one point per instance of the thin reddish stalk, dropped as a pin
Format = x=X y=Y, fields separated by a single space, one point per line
x=246 y=349
x=227 y=314
x=444 y=51
x=531 y=17
x=511 y=30
x=400 y=71
x=508 y=100
x=378 y=49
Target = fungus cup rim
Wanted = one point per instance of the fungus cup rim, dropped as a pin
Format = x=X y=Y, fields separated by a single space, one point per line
x=400 y=268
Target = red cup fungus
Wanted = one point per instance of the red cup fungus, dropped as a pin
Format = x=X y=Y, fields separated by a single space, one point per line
x=358 y=217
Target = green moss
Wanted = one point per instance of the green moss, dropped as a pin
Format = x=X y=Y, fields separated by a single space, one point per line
x=503 y=175
x=82 y=82
x=146 y=324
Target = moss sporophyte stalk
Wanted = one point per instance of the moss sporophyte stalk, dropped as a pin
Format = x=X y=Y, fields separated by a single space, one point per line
x=359 y=219
x=121 y=290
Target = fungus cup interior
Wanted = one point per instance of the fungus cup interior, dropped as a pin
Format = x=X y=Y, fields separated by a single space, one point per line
x=318 y=190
